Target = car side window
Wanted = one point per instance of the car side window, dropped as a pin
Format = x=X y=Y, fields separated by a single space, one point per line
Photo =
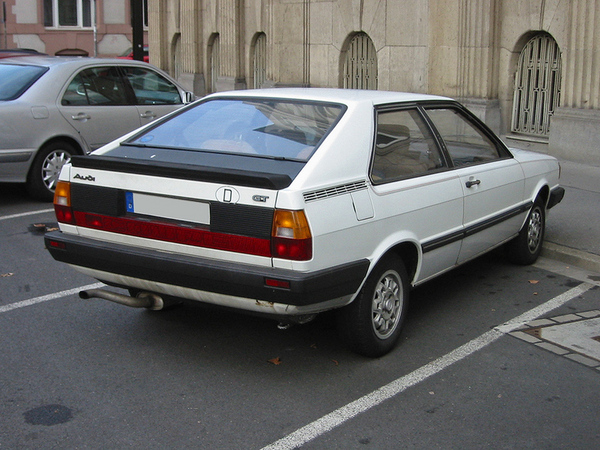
x=151 y=88
x=465 y=143
x=404 y=147
x=96 y=86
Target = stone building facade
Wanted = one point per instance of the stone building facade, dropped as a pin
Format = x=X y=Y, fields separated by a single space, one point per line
x=529 y=68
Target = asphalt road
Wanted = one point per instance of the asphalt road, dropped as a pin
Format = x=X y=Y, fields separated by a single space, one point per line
x=93 y=374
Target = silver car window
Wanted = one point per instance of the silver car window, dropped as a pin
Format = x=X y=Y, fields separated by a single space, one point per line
x=151 y=88
x=97 y=86
x=16 y=79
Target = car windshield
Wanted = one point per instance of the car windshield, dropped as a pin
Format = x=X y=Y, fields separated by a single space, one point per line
x=279 y=129
x=16 y=79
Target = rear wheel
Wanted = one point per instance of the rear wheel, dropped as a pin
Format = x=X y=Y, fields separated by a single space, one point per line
x=46 y=168
x=527 y=246
x=371 y=324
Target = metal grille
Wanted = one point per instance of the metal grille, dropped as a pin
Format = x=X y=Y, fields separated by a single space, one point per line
x=360 y=67
x=537 y=86
x=334 y=191
x=260 y=61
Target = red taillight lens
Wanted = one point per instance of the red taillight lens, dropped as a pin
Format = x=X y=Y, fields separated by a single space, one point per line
x=291 y=237
x=62 y=203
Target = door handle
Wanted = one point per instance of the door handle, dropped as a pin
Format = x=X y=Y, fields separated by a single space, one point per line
x=81 y=116
x=472 y=183
x=148 y=115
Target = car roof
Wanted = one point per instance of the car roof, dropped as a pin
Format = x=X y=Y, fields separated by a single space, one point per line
x=332 y=95
x=52 y=61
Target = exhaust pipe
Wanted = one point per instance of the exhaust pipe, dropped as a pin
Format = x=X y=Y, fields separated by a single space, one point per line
x=143 y=299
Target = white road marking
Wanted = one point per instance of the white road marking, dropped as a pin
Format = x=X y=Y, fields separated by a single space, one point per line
x=30 y=213
x=365 y=403
x=45 y=298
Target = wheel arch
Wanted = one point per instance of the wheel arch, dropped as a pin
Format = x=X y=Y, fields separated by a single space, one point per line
x=65 y=138
x=410 y=255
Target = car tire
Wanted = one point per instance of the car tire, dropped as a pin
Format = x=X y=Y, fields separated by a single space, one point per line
x=46 y=168
x=372 y=323
x=527 y=246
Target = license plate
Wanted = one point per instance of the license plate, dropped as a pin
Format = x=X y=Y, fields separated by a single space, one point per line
x=168 y=207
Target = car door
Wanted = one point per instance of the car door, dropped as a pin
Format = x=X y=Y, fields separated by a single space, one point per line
x=491 y=180
x=155 y=95
x=417 y=197
x=99 y=105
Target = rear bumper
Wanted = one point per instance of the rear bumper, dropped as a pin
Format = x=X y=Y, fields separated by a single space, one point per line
x=219 y=277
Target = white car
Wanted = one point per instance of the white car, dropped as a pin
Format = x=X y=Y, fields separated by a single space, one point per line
x=291 y=202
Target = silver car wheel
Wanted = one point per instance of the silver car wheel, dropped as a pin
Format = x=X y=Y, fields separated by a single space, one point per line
x=52 y=165
x=387 y=304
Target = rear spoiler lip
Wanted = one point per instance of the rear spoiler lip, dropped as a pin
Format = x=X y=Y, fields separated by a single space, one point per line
x=219 y=175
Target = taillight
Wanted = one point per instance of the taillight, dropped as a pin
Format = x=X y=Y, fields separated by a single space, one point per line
x=291 y=237
x=62 y=203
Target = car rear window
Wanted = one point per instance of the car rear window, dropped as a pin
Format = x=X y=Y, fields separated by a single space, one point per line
x=16 y=79
x=277 y=129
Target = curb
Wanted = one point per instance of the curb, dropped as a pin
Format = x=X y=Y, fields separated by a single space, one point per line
x=581 y=259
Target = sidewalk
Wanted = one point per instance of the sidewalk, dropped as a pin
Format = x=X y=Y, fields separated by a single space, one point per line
x=573 y=226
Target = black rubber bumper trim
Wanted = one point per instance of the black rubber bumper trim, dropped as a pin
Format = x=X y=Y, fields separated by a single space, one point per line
x=556 y=196
x=234 y=279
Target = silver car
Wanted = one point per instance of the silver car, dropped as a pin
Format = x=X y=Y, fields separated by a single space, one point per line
x=55 y=107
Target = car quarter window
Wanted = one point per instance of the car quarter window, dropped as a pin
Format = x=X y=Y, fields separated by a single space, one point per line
x=404 y=147
x=151 y=88
x=465 y=142
x=96 y=86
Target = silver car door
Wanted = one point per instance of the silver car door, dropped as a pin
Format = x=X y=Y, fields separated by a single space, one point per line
x=99 y=105
x=491 y=180
x=155 y=95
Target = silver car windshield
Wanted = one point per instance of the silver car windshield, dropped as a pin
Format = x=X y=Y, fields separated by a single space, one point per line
x=262 y=127
x=16 y=79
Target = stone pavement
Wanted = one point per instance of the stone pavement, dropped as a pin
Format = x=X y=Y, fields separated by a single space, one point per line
x=573 y=226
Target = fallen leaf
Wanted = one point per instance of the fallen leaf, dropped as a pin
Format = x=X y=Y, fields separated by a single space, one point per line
x=275 y=361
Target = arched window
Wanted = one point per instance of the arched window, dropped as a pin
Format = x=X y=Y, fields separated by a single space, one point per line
x=259 y=61
x=360 y=64
x=537 y=86
x=214 y=61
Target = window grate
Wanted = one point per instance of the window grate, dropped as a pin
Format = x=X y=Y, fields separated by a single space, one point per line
x=360 y=67
x=537 y=86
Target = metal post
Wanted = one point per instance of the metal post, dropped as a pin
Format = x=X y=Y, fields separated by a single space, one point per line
x=4 y=22
x=137 y=24
x=94 y=21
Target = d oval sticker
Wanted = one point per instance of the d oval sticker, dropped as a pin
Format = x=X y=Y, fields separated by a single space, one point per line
x=227 y=194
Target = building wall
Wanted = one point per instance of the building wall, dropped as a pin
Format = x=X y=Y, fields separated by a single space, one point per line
x=467 y=49
x=25 y=29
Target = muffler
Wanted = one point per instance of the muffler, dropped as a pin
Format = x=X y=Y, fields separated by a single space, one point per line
x=143 y=299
